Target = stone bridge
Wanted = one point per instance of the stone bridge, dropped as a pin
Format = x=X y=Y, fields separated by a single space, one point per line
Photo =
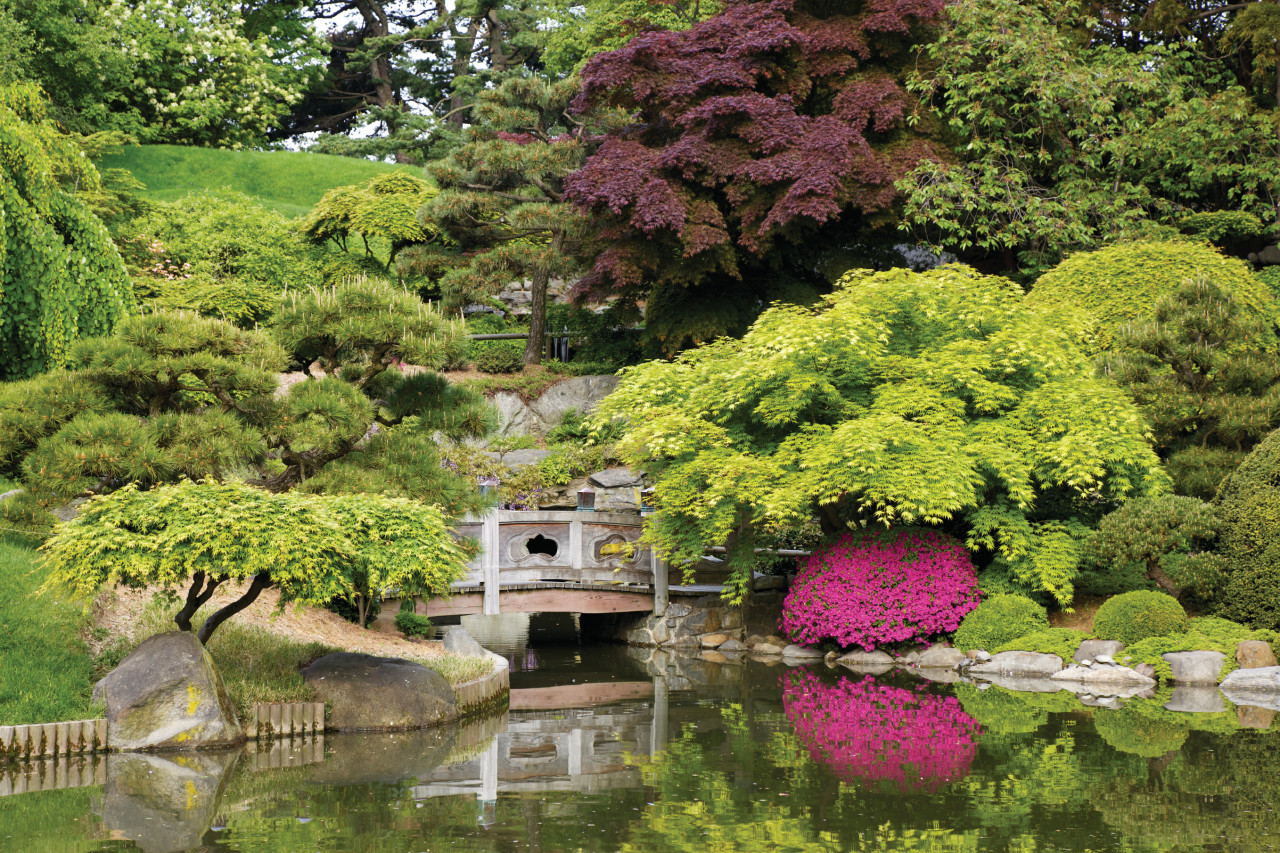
x=555 y=561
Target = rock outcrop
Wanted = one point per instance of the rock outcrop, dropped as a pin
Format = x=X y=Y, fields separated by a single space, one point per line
x=167 y=695
x=1195 y=667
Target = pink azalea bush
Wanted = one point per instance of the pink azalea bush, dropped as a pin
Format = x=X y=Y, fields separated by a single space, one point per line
x=869 y=732
x=874 y=589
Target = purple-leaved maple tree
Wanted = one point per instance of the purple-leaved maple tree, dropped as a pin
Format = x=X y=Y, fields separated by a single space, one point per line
x=752 y=132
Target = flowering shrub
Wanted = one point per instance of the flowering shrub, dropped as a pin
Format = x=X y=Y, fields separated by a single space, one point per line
x=868 y=732
x=881 y=588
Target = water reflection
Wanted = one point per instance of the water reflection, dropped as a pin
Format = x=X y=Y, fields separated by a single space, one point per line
x=641 y=750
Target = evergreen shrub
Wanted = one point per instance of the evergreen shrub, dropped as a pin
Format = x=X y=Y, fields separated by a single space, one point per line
x=881 y=588
x=1062 y=642
x=1136 y=615
x=500 y=357
x=1248 y=504
x=413 y=624
x=998 y=620
x=1206 y=633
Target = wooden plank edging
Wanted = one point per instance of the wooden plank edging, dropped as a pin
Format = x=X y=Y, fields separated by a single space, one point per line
x=48 y=740
x=284 y=719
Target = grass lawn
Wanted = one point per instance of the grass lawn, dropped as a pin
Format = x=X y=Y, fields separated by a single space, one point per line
x=46 y=671
x=290 y=182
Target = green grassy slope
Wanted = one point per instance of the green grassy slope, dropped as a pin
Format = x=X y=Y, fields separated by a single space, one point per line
x=290 y=182
x=46 y=672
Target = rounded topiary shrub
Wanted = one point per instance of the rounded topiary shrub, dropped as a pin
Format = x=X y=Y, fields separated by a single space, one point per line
x=1248 y=505
x=998 y=620
x=1137 y=615
x=1121 y=283
x=881 y=588
x=500 y=357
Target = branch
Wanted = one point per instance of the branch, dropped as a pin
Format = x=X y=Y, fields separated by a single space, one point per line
x=261 y=581
x=196 y=599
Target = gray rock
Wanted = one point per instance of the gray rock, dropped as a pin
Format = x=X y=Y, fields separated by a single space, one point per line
x=514 y=417
x=1195 y=700
x=1264 y=679
x=1112 y=703
x=71 y=510
x=1270 y=255
x=979 y=655
x=733 y=647
x=660 y=632
x=1032 y=664
x=1105 y=660
x=380 y=694
x=768 y=649
x=581 y=393
x=764 y=583
x=801 y=653
x=458 y=641
x=1145 y=669
x=861 y=658
x=1091 y=649
x=167 y=695
x=1195 y=667
x=164 y=805
x=615 y=478
x=528 y=456
x=909 y=658
x=677 y=611
x=941 y=657
x=1098 y=677
x=1255 y=654
x=12 y=493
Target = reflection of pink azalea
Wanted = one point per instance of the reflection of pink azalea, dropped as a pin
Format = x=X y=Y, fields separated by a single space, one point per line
x=868 y=731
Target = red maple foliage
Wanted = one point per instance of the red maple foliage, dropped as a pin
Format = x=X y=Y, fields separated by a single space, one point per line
x=750 y=130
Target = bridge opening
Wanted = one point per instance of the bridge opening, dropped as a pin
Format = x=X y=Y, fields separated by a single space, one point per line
x=542 y=545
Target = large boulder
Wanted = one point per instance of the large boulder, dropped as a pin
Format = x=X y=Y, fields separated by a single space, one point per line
x=1195 y=667
x=1023 y=664
x=1259 y=680
x=459 y=641
x=939 y=656
x=858 y=657
x=370 y=693
x=167 y=695
x=1103 y=677
x=1255 y=654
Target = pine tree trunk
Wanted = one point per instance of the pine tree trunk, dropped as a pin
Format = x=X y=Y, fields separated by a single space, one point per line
x=260 y=582
x=537 y=319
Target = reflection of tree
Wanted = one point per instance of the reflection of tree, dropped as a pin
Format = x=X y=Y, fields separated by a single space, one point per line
x=870 y=732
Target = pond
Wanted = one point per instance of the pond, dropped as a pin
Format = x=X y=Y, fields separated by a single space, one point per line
x=613 y=749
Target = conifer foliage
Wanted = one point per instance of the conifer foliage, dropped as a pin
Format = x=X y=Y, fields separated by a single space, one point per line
x=60 y=276
x=749 y=130
x=174 y=396
x=501 y=203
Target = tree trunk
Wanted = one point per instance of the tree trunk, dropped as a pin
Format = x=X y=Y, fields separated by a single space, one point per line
x=196 y=598
x=538 y=309
x=261 y=581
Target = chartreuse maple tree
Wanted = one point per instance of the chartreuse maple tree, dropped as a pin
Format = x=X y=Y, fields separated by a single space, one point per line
x=311 y=548
x=933 y=398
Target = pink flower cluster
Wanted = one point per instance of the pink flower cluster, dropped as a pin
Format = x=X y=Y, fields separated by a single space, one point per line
x=869 y=732
x=874 y=589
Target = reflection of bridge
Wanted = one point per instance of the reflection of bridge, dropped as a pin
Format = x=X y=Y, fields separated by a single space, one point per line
x=556 y=561
x=563 y=746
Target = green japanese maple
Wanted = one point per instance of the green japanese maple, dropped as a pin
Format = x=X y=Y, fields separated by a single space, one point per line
x=935 y=398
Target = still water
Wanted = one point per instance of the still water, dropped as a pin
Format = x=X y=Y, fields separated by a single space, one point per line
x=614 y=749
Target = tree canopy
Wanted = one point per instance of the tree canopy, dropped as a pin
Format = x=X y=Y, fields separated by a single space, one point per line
x=758 y=137
x=312 y=548
x=61 y=277
x=936 y=398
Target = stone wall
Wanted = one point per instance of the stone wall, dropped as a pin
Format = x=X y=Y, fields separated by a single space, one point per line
x=687 y=623
x=582 y=393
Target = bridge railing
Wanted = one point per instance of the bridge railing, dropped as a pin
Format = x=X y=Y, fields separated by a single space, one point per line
x=530 y=548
